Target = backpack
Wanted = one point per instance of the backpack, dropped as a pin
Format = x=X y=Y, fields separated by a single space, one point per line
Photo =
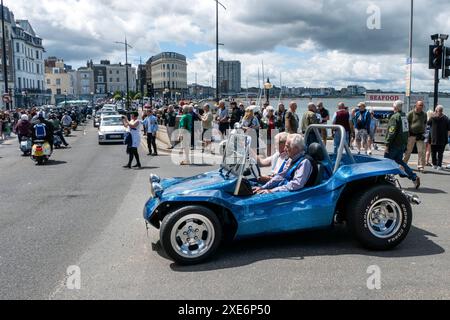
x=40 y=131
x=361 y=120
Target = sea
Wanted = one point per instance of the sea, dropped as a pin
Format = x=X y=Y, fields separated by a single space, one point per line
x=331 y=103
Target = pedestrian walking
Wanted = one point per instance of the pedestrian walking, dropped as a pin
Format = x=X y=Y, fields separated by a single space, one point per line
x=397 y=141
x=151 y=129
x=223 y=119
x=361 y=123
x=185 y=136
x=309 y=117
x=270 y=125
x=193 y=110
x=417 y=120
x=134 y=126
x=325 y=117
x=292 y=120
x=341 y=118
x=281 y=118
x=170 y=123
x=372 y=132
x=235 y=115
x=440 y=128
x=207 y=119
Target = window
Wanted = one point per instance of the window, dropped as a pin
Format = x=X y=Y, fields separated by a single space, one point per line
x=58 y=91
x=118 y=79
x=100 y=79
x=117 y=71
x=20 y=83
x=110 y=79
x=110 y=72
x=48 y=81
x=17 y=47
x=58 y=82
x=18 y=64
x=37 y=69
x=37 y=54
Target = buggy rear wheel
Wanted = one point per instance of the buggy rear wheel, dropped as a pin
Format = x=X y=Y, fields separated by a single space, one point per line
x=380 y=218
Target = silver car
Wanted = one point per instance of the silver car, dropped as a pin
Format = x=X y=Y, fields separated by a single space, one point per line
x=111 y=130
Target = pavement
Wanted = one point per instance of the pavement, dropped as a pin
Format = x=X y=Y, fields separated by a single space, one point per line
x=85 y=210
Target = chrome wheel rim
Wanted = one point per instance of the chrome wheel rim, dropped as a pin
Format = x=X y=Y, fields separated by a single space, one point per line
x=385 y=218
x=192 y=236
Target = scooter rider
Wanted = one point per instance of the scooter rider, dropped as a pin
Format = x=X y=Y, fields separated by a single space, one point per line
x=23 y=127
x=66 y=120
x=58 y=129
x=49 y=131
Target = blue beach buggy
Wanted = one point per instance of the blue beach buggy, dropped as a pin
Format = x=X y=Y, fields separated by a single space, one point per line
x=196 y=214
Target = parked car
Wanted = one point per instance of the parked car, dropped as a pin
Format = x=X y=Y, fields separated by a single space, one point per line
x=111 y=130
x=194 y=215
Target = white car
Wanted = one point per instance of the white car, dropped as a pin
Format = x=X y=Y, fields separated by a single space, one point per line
x=111 y=130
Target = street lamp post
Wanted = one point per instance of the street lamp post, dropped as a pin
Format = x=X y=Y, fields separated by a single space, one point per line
x=217 y=49
x=268 y=86
x=126 y=69
x=5 y=67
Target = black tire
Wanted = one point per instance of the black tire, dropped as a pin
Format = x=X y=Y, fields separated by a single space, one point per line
x=170 y=221
x=359 y=217
x=40 y=161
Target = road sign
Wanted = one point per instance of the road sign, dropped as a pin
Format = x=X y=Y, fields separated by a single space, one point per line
x=6 y=98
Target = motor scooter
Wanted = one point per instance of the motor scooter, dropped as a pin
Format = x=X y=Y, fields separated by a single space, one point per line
x=41 y=152
x=67 y=131
x=74 y=125
x=25 y=146
x=57 y=142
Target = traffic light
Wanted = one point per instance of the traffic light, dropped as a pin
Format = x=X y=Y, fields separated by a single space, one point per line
x=436 y=57
x=446 y=63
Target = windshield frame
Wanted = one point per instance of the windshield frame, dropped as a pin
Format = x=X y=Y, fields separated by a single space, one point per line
x=237 y=169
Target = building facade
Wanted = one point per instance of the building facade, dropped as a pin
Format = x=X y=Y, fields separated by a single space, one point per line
x=100 y=83
x=116 y=79
x=85 y=83
x=59 y=81
x=29 y=76
x=169 y=75
x=229 y=77
x=9 y=20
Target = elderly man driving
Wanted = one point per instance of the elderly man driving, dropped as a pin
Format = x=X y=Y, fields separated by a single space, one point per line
x=296 y=171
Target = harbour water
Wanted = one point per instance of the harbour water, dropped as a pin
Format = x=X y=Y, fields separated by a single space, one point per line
x=331 y=103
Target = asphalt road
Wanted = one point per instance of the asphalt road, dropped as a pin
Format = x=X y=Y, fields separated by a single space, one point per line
x=85 y=210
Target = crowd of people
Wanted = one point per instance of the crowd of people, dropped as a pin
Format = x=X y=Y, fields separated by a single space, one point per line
x=21 y=122
x=428 y=132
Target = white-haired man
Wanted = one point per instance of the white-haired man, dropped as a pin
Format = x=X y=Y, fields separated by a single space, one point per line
x=397 y=140
x=296 y=173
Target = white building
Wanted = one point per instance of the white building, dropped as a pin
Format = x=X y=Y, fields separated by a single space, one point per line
x=28 y=58
x=116 y=78
x=169 y=75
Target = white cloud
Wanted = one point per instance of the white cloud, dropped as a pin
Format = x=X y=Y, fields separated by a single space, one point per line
x=333 y=44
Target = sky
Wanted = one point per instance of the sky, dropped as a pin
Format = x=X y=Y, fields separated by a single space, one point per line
x=309 y=43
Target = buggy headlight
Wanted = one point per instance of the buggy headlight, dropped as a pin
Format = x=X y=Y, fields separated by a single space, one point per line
x=157 y=189
x=154 y=179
